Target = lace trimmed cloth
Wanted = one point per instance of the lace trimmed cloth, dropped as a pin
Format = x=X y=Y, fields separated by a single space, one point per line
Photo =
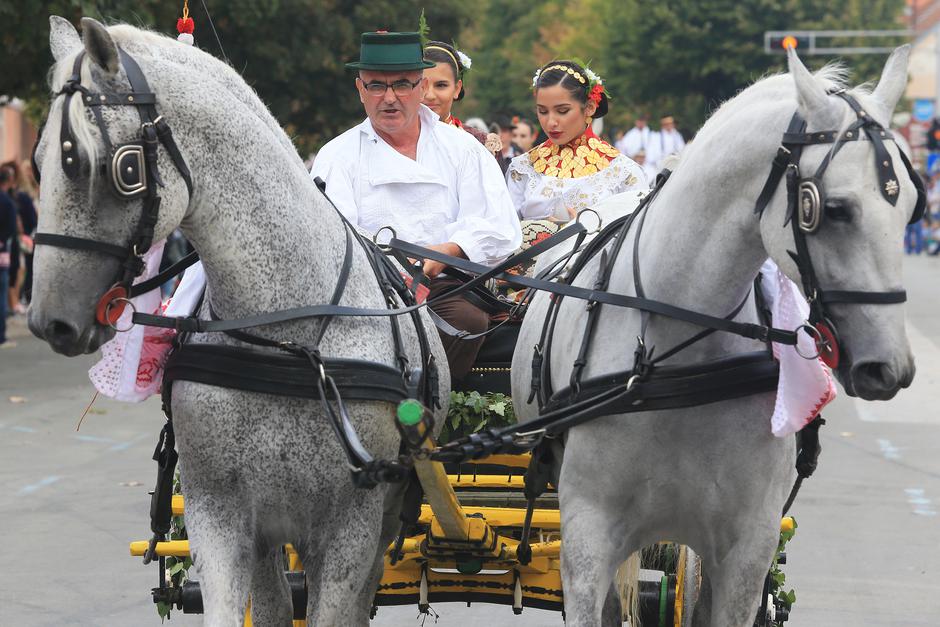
x=806 y=385
x=131 y=364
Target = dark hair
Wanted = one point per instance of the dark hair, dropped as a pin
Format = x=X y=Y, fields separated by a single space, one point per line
x=566 y=73
x=6 y=174
x=439 y=52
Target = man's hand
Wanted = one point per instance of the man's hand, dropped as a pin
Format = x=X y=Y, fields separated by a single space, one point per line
x=434 y=268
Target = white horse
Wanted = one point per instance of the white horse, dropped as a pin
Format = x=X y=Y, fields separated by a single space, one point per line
x=713 y=477
x=260 y=470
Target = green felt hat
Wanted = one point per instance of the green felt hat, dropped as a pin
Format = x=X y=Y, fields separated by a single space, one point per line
x=390 y=52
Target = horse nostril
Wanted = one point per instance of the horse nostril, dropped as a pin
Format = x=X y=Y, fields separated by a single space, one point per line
x=875 y=375
x=59 y=333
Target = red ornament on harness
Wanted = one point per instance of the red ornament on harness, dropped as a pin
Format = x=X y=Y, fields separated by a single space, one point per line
x=185 y=25
x=827 y=345
x=111 y=306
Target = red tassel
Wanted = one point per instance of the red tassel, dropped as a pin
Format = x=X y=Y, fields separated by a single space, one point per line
x=185 y=25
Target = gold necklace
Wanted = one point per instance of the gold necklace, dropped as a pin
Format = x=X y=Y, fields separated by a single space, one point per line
x=585 y=156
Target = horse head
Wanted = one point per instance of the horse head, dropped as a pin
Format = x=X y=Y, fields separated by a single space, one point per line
x=96 y=182
x=852 y=215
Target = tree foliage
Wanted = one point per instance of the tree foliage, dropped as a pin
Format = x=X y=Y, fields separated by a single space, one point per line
x=681 y=57
x=291 y=51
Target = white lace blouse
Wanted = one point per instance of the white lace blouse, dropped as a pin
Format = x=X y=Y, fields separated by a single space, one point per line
x=539 y=196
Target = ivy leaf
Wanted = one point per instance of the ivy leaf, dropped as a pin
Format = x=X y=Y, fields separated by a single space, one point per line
x=499 y=408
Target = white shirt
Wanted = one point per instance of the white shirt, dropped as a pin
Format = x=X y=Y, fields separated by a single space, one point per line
x=634 y=141
x=537 y=196
x=663 y=144
x=453 y=192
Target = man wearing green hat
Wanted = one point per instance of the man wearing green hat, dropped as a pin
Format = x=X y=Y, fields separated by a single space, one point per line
x=434 y=184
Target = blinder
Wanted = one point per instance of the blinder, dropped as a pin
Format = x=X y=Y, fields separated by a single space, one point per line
x=128 y=172
x=130 y=168
x=809 y=208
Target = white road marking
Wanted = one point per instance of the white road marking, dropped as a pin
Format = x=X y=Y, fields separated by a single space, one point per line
x=921 y=505
x=917 y=404
x=890 y=451
x=34 y=487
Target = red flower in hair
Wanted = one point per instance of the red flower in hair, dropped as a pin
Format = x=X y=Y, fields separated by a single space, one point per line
x=185 y=25
x=595 y=94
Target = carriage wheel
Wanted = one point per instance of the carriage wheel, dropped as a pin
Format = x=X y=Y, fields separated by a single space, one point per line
x=688 y=585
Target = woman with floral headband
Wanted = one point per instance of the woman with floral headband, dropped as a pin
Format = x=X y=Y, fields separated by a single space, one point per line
x=445 y=87
x=573 y=169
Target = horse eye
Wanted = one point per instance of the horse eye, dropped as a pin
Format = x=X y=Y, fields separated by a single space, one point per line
x=838 y=210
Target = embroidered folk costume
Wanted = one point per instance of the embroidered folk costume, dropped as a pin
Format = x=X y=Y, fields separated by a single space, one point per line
x=556 y=182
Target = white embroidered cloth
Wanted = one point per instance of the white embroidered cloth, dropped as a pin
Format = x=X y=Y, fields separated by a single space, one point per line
x=805 y=385
x=131 y=364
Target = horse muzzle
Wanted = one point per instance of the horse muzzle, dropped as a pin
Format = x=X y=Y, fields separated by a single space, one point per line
x=65 y=336
x=878 y=380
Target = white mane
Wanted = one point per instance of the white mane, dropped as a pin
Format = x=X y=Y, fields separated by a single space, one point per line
x=772 y=90
x=145 y=46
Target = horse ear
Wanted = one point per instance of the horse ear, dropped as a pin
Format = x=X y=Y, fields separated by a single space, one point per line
x=893 y=79
x=812 y=99
x=63 y=38
x=99 y=45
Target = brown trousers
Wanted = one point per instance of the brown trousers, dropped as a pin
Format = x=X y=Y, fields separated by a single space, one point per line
x=463 y=315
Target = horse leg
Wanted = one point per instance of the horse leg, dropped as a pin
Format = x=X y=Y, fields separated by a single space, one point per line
x=345 y=572
x=271 y=602
x=735 y=579
x=391 y=525
x=590 y=556
x=221 y=545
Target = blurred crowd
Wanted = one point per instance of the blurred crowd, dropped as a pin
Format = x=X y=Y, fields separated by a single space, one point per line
x=924 y=237
x=18 y=220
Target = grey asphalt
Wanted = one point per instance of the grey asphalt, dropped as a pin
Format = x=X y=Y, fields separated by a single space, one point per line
x=867 y=550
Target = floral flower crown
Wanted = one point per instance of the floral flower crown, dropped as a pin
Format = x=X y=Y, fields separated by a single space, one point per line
x=464 y=63
x=593 y=84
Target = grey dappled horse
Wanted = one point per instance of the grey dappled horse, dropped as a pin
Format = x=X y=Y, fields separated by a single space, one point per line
x=714 y=477
x=258 y=470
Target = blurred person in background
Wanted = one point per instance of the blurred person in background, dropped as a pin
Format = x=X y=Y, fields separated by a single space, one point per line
x=636 y=139
x=524 y=134
x=24 y=195
x=8 y=232
x=504 y=126
x=664 y=142
x=648 y=169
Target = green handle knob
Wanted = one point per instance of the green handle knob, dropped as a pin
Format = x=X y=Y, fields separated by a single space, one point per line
x=410 y=412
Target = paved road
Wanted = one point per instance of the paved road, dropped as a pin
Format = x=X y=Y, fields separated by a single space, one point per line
x=866 y=552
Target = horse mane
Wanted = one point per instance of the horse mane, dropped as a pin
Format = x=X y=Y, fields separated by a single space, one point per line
x=192 y=60
x=778 y=88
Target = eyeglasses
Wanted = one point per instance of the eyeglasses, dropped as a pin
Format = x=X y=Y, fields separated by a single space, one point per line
x=401 y=87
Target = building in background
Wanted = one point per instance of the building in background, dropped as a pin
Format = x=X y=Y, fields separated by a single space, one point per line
x=17 y=134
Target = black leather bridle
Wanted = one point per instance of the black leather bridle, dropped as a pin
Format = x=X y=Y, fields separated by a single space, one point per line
x=806 y=199
x=131 y=170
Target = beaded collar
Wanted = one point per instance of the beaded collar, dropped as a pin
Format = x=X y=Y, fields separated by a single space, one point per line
x=584 y=156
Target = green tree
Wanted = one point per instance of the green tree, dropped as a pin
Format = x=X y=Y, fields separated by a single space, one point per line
x=291 y=51
x=682 y=57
